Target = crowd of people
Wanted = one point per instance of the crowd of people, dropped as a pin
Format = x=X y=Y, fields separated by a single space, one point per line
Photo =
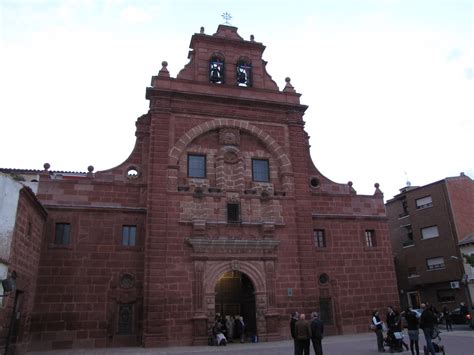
x=226 y=330
x=427 y=321
x=305 y=332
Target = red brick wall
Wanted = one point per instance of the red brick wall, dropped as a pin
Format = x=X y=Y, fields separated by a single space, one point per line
x=461 y=197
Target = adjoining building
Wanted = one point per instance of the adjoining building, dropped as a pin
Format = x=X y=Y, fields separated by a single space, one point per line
x=219 y=209
x=22 y=219
x=427 y=224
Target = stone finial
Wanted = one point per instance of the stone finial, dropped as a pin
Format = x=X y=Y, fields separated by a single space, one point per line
x=288 y=86
x=164 y=70
x=252 y=38
x=377 y=190
x=46 y=166
x=350 y=183
x=202 y=29
x=90 y=168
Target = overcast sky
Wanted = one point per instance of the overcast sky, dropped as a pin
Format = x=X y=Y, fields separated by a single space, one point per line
x=389 y=83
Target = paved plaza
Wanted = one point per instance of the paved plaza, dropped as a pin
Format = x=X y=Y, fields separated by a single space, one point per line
x=457 y=342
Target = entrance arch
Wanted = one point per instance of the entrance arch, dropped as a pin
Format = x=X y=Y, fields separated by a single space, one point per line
x=235 y=296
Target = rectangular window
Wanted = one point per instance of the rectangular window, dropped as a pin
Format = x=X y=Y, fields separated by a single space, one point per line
x=370 y=238
x=319 y=238
x=435 y=263
x=260 y=171
x=412 y=271
x=409 y=236
x=424 y=202
x=233 y=213
x=129 y=235
x=62 y=234
x=429 y=232
x=446 y=296
x=196 y=166
x=405 y=208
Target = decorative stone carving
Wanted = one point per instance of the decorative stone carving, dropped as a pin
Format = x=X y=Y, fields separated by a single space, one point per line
x=229 y=136
x=235 y=265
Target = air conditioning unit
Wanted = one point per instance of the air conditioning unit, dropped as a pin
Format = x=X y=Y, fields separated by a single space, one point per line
x=454 y=284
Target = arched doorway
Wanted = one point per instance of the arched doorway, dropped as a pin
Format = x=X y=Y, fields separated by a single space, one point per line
x=235 y=295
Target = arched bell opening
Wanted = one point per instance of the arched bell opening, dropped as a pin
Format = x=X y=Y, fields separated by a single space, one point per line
x=235 y=297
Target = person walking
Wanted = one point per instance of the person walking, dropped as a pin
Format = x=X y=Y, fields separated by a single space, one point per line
x=427 y=323
x=317 y=331
x=294 y=318
x=303 y=335
x=413 y=332
x=447 y=318
x=378 y=330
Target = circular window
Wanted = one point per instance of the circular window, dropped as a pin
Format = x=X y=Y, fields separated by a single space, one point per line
x=314 y=182
x=127 y=281
x=132 y=173
x=323 y=279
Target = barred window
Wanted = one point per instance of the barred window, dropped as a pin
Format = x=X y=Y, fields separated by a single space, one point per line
x=233 y=213
x=370 y=238
x=319 y=238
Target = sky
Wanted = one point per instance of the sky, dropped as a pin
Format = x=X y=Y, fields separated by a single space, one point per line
x=389 y=83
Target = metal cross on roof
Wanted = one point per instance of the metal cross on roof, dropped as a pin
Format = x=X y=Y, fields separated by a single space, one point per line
x=227 y=17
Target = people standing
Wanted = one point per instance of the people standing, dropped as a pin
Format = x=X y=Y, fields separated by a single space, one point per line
x=294 y=318
x=376 y=321
x=240 y=328
x=427 y=323
x=393 y=325
x=447 y=318
x=229 y=324
x=317 y=331
x=413 y=332
x=303 y=335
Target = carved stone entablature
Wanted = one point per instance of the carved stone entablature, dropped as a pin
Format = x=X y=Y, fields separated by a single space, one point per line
x=229 y=136
x=199 y=227
x=268 y=229
x=217 y=247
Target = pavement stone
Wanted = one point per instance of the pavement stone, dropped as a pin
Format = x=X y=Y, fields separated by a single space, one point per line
x=457 y=342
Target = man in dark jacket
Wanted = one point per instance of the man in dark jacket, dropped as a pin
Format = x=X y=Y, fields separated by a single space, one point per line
x=294 y=318
x=303 y=335
x=317 y=331
x=427 y=323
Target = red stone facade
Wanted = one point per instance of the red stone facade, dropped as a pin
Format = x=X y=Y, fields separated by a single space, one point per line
x=185 y=239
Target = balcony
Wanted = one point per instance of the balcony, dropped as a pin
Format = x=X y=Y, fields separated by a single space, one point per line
x=408 y=243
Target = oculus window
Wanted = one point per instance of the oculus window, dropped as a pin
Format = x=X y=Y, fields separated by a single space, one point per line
x=196 y=166
x=260 y=170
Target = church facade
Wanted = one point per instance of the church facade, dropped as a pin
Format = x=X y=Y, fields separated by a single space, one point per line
x=219 y=210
